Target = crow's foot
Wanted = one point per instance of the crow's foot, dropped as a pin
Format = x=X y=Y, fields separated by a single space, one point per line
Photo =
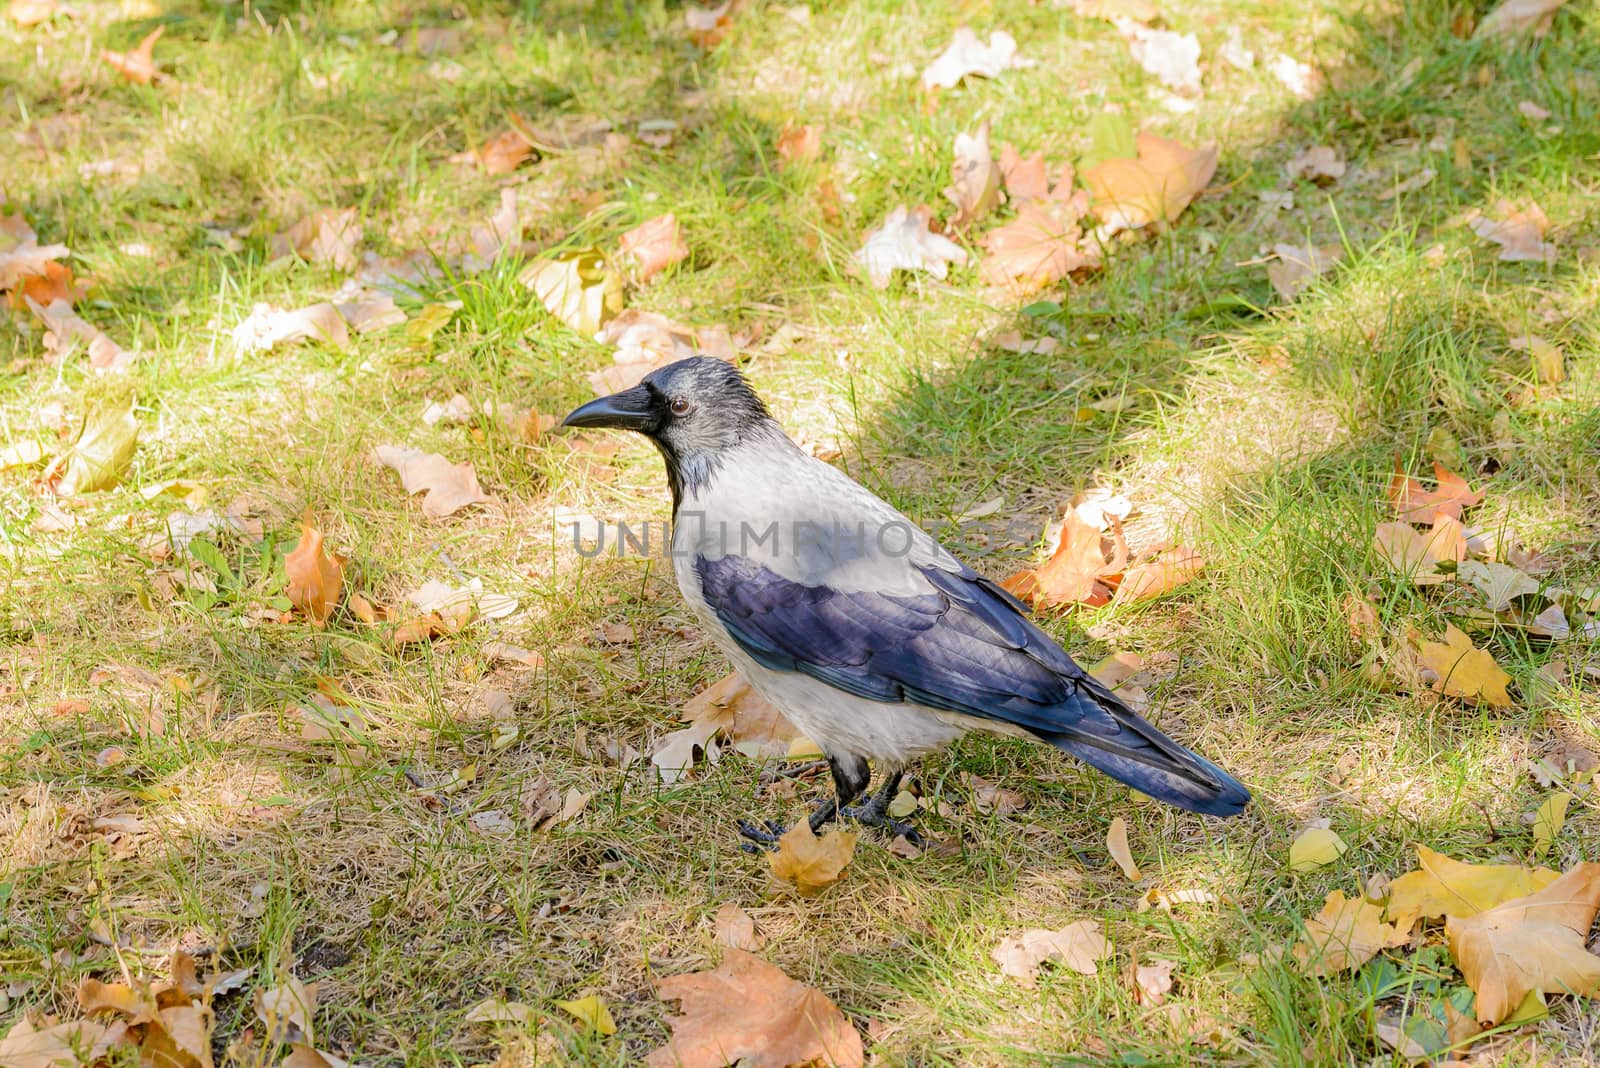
x=872 y=814
x=764 y=836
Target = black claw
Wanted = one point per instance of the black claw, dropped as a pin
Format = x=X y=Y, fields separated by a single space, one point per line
x=871 y=815
x=759 y=839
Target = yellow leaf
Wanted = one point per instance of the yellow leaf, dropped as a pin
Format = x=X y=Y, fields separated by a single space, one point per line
x=1530 y=943
x=1442 y=886
x=1314 y=848
x=102 y=452
x=498 y=1010
x=1117 y=843
x=576 y=287
x=1462 y=670
x=592 y=1013
x=1347 y=933
x=1547 y=822
x=1129 y=193
x=1415 y=555
x=316 y=578
x=809 y=862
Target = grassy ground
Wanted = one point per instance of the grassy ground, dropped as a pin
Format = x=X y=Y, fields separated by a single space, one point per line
x=1268 y=433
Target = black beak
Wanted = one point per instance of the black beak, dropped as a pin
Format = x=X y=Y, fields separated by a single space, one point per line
x=632 y=409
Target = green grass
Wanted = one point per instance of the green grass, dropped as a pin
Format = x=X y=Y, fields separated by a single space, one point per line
x=1264 y=433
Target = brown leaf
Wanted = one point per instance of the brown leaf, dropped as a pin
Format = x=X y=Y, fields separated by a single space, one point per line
x=315 y=577
x=707 y=26
x=1346 y=934
x=1164 y=572
x=974 y=178
x=1298 y=266
x=655 y=245
x=1117 y=845
x=54 y=282
x=504 y=153
x=993 y=799
x=329 y=236
x=1460 y=669
x=286 y=1010
x=751 y=723
x=1042 y=245
x=66 y=326
x=62 y=1045
x=138 y=65
x=267 y=326
x=905 y=243
x=1417 y=556
x=809 y=862
x=1072 y=574
x=799 y=144
x=735 y=928
x=749 y=1011
x=1415 y=503
x=1512 y=17
x=1519 y=231
x=448 y=487
x=1080 y=946
x=576 y=287
x=1320 y=164
x=27 y=13
x=1158 y=185
x=1152 y=982
x=1025 y=175
x=1537 y=942
x=967 y=56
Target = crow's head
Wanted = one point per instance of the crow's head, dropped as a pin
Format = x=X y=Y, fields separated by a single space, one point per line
x=694 y=411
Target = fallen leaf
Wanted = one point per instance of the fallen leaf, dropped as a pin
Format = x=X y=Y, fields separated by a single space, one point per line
x=967 y=56
x=1442 y=886
x=26 y=13
x=502 y=236
x=904 y=242
x=367 y=311
x=266 y=326
x=1417 y=555
x=750 y=723
x=498 y=1010
x=1346 y=934
x=64 y=326
x=1299 y=78
x=1548 y=821
x=1173 y=58
x=747 y=1010
x=52 y=283
x=448 y=487
x=799 y=144
x=1500 y=584
x=102 y=453
x=491 y=821
x=316 y=577
x=1075 y=569
x=1549 y=361
x=675 y=754
x=1519 y=231
x=654 y=245
x=1320 y=164
x=1528 y=944
x=1460 y=669
x=1152 y=981
x=576 y=287
x=1041 y=246
x=592 y=1013
x=1080 y=946
x=1158 y=185
x=707 y=26
x=1112 y=10
x=1528 y=109
x=503 y=153
x=1512 y=17
x=993 y=799
x=61 y=1045
x=329 y=236
x=735 y=929
x=974 y=178
x=1164 y=572
x=286 y=1010
x=1297 y=267
x=138 y=65
x=1025 y=176
x=1117 y=844
x=1314 y=848
x=809 y=862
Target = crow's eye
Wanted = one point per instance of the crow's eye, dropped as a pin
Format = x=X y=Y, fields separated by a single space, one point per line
x=679 y=406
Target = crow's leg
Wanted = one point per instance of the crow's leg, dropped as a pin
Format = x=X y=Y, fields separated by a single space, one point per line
x=875 y=813
x=850 y=778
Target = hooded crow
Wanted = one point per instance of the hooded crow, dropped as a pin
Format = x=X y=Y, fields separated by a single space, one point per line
x=875 y=642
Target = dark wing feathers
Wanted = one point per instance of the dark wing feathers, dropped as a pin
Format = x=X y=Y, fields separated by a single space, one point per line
x=967 y=647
